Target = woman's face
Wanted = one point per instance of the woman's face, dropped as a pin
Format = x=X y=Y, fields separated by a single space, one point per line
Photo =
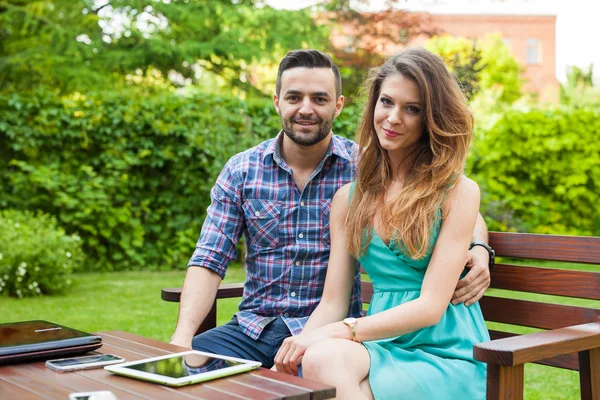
x=399 y=115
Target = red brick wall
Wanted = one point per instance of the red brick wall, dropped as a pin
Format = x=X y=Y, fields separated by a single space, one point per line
x=517 y=29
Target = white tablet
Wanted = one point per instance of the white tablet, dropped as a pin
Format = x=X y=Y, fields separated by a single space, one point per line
x=179 y=369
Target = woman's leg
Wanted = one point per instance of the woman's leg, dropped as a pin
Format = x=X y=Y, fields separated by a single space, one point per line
x=340 y=363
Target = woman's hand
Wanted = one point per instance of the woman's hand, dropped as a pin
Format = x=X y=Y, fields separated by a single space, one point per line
x=293 y=348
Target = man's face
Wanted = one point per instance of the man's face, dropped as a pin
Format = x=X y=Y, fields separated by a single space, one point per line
x=307 y=104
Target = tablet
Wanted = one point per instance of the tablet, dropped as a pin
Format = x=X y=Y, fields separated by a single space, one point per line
x=179 y=369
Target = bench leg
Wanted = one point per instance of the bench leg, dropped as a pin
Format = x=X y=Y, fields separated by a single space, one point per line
x=504 y=383
x=210 y=321
x=589 y=374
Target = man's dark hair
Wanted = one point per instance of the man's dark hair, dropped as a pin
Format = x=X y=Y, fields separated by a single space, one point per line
x=308 y=59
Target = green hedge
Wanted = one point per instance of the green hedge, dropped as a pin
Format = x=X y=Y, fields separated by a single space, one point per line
x=36 y=256
x=539 y=171
x=130 y=172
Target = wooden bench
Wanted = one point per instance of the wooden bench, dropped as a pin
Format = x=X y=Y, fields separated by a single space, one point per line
x=571 y=335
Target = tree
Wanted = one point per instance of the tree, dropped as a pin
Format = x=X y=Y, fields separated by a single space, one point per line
x=579 y=90
x=363 y=38
x=78 y=44
x=481 y=65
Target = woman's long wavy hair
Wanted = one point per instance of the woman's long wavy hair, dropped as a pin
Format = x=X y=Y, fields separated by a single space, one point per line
x=436 y=164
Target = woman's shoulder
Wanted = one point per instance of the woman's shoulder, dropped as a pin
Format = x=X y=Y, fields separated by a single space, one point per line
x=464 y=190
x=465 y=186
x=344 y=193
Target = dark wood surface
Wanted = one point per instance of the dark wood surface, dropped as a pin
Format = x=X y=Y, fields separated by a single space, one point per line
x=547 y=281
x=505 y=382
x=226 y=291
x=537 y=346
x=580 y=249
x=589 y=377
x=535 y=314
x=35 y=381
x=566 y=361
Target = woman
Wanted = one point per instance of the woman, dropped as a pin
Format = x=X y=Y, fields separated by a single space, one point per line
x=408 y=220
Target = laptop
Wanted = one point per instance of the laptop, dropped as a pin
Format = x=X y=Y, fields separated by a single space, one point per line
x=32 y=340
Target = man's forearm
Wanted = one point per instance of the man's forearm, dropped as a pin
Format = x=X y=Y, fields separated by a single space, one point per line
x=197 y=297
x=480 y=234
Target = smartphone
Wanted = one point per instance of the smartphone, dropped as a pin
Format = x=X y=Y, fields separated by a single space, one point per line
x=100 y=395
x=85 y=362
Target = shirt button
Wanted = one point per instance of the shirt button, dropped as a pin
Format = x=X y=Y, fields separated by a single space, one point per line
x=301 y=235
x=302 y=203
x=257 y=213
x=293 y=294
x=297 y=263
x=286 y=315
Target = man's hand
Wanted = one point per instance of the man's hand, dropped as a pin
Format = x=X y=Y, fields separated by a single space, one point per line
x=472 y=287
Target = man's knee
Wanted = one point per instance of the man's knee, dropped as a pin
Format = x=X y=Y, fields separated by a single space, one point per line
x=217 y=340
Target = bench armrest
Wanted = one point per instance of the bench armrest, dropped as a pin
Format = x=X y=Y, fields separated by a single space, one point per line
x=225 y=291
x=540 y=345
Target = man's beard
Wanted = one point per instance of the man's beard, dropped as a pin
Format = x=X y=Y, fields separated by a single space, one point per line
x=305 y=138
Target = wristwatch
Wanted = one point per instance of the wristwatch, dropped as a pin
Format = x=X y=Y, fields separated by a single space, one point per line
x=351 y=322
x=490 y=251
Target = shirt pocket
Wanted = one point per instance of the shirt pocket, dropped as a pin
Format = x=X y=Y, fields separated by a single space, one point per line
x=262 y=222
x=325 y=223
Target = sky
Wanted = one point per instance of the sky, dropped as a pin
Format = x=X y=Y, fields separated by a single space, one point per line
x=577 y=24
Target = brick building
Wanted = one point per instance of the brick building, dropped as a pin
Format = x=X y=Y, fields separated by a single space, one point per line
x=530 y=36
x=527 y=27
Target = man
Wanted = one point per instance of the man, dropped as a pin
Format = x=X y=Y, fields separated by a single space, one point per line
x=278 y=194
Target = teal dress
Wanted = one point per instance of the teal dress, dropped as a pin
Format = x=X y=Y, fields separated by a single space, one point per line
x=433 y=363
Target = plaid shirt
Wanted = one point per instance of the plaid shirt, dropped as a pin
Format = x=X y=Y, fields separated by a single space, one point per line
x=286 y=232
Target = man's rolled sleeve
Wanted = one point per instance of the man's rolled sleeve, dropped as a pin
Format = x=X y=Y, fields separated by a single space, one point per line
x=223 y=225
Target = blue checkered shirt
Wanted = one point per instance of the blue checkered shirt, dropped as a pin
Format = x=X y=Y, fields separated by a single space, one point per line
x=286 y=232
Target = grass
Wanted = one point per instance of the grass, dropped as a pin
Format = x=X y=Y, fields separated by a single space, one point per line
x=130 y=301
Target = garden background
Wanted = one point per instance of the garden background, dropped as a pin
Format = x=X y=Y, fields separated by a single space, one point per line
x=116 y=117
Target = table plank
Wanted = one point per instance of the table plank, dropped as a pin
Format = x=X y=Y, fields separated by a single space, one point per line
x=318 y=390
x=274 y=383
x=22 y=377
x=9 y=391
x=34 y=381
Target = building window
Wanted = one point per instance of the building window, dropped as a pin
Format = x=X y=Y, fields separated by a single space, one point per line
x=534 y=51
x=507 y=43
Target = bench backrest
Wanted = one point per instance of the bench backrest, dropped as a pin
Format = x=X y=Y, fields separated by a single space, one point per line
x=515 y=272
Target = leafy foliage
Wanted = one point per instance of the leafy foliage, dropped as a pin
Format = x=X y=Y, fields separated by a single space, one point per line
x=363 y=39
x=77 y=44
x=131 y=173
x=540 y=172
x=481 y=65
x=36 y=256
x=579 y=90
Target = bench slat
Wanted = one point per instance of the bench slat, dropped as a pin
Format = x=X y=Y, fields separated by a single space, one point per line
x=366 y=291
x=578 y=249
x=585 y=285
x=534 y=314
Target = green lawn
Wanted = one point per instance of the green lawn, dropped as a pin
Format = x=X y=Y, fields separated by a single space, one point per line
x=130 y=301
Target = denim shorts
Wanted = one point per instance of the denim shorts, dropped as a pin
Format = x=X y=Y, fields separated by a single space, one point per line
x=229 y=340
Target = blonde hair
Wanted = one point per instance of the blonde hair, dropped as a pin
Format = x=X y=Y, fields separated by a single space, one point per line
x=437 y=162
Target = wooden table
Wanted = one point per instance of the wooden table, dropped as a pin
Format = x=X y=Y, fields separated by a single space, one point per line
x=35 y=381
